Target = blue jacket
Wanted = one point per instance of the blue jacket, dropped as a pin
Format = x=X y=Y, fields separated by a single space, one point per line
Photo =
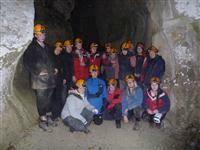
x=96 y=92
x=133 y=100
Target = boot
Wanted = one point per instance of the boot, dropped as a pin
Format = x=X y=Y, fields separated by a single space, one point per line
x=50 y=122
x=136 y=126
x=87 y=131
x=43 y=125
x=118 y=123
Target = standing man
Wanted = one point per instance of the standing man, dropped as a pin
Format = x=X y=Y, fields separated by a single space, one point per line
x=38 y=59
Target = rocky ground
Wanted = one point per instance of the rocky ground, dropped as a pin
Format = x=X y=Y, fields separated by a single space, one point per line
x=104 y=137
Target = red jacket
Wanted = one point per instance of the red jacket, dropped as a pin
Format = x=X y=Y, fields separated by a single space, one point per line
x=80 y=71
x=114 y=98
x=95 y=59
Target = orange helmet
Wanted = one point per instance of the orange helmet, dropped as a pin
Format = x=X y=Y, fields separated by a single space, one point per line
x=155 y=79
x=68 y=43
x=80 y=83
x=93 y=45
x=58 y=44
x=39 y=29
x=78 y=40
x=125 y=45
x=93 y=68
x=130 y=43
x=112 y=82
x=154 y=49
x=130 y=76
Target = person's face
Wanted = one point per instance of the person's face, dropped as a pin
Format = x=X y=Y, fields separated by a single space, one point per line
x=112 y=55
x=124 y=52
x=94 y=74
x=131 y=83
x=81 y=89
x=152 y=54
x=154 y=86
x=78 y=45
x=68 y=49
x=139 y=50
x=94 y=50
x=111 y=88
x=57 y=50
x=108 y=49
x=40 y=37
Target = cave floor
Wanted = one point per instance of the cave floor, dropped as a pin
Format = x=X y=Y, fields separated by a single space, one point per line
x=101 y=137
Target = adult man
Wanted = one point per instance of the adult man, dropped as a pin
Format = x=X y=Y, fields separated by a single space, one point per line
x=38 y=60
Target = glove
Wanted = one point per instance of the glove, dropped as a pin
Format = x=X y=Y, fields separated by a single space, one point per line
x=95 y=111
x=116 y=96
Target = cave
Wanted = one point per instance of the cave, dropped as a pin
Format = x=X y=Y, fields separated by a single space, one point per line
x=173 y=26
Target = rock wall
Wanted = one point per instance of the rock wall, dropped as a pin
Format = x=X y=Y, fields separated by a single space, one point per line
x=16 y=111
x=177 y=37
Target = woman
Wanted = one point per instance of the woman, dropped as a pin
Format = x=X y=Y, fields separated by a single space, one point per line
x=156 y=102
x=114 y=107
x=132 y=102
x=77 y=112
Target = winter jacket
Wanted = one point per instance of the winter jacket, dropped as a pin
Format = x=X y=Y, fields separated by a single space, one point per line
x=114 y=98
x=154 y=67
x=162 y=104
x=112 y=69
x=131 y=100
x=139 y=64
x=38 y=59
x=68 y=67
x=80 y=71
x=126 y=65
x=96 y=92
x=95 y=59
x=74 y=105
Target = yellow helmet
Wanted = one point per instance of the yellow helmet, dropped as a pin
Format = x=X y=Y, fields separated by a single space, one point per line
x=93 y=45
x=80 y=83
x=154 y=49
x=38 y=29
x=130 y=44
x=108 y=45
x=129 y=76
x=113 y=50
x=125 y=45
x=93 y=68
x=58 y=44
x=112 y=82
x=155 y=79
x=78 y=40
x=68 y=43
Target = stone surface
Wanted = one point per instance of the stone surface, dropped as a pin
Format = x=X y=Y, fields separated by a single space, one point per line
x=16 y=33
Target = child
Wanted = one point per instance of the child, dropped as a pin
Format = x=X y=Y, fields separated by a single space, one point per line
x=114 y=107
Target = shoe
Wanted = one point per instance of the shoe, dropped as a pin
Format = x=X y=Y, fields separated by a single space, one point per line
x=43 y=125
x=50 y=122
x=118 y=123
x=71 y=130
x=87 y=131
x=136 y=126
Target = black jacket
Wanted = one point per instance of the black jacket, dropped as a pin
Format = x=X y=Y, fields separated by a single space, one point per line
x=37 y=59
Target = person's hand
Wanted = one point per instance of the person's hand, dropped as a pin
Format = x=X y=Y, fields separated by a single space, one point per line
x=64 y=81
x=55 y=71
x=125 y=119
x=44 y=72
x=155 y=111
x=150 y=112
x=74 y=79
x=95 y=111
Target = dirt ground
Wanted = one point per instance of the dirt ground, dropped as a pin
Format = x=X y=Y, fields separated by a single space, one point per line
x=104 y=137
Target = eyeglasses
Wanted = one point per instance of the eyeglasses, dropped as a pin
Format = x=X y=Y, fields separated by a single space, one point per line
x=83 y=85
x=94 y=70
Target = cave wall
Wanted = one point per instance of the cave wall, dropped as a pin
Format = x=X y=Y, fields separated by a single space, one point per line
x=17 y=111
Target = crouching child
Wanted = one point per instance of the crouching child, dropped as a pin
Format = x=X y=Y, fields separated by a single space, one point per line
x=113 y=109
x=156 y=103
x=132 y=102
x=77 y=112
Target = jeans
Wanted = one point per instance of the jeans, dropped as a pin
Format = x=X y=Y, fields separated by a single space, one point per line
x=44 y=97
x=76 y=124
x=115 y=113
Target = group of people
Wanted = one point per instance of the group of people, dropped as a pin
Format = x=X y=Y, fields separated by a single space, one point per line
x=91 y=86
